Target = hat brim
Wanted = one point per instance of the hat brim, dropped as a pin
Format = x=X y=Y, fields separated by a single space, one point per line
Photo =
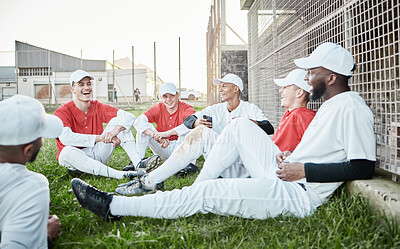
x=217 y=82
x=162 y=94
x=53 y=127
x=306 y=63
x=282 y=82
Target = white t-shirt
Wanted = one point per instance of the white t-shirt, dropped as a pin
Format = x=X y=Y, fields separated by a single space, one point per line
x=24 y=207
x=342 y=130
x=221 y=116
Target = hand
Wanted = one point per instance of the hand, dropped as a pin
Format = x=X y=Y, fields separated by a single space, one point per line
x=108 y=137
x=202 y=121
x=164 y=143
x=159 y=135
x=116 y=141
x=291 y=171
x=281 y=157
x=53 y=227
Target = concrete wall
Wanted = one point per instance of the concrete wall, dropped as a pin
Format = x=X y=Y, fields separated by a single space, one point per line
x=234 y=60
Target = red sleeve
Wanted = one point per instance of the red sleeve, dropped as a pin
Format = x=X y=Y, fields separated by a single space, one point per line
x=107 y=112
x=153 y=113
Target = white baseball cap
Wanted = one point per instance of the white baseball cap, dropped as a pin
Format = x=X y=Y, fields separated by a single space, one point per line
x=330 y=56
x=168 y=88
x=295 y=77
x=78 y=75
x=23 y=120
x=230 y=78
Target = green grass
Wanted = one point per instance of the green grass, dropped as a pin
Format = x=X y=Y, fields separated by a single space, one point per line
x=344 y=222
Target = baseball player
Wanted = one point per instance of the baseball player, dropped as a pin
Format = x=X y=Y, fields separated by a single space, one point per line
x=170 y=132
x=24 y=195
x=338 y=145
x=295 y=94
x=83 y=145
x=202 y=138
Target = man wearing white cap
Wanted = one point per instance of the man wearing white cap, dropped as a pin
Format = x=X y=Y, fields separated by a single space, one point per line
x=168 y=116
x=338 y=145
x=202 y=138
x=24 y=195
x=295 y=94
x=83 y=145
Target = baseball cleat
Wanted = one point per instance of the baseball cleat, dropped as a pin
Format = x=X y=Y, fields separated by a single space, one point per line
x=148 y=164
x=131 y=174
x=190 y=169
x=93 y=199
x=136 y=187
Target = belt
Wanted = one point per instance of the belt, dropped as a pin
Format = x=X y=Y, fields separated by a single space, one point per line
x=302 y=185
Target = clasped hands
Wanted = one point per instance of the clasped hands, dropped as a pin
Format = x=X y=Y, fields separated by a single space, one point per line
x=161 y=138
x=289 y=171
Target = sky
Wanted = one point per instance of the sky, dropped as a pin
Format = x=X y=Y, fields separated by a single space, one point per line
x=97 y=27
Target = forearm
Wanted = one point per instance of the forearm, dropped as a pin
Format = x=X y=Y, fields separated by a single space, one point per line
x=334 y=172
x=69 y=138
x=189 y=121
x=266 y=126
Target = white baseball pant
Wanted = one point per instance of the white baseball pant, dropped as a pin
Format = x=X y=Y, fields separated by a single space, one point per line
x=197 y=142
x=260 y=197
x=92 y=160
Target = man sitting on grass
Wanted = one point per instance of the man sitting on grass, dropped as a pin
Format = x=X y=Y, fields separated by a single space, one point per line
x=295 y=94
x=83 y=146
x=338 y=145
x=24 y=195
x=170 y=131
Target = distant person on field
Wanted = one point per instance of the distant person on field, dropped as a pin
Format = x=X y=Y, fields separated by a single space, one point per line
x=24 y=195
x=170 y=132
x=83 y=145
x=338 y=145
x=295 y=94
x=115 y=95
x=137 y=95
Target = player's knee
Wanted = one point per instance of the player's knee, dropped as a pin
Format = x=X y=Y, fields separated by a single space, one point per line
x=195 y=135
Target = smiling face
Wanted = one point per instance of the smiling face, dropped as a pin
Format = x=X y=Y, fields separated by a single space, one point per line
x=83 y=89
x=170 y=101
x=228 y=91
x=288 y=96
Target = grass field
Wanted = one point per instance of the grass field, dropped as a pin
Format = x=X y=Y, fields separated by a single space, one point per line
x=344 y=222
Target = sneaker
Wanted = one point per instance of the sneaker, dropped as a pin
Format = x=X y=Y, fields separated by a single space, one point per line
x=136 y=187
x=93 y=199
x=190 y=169
x=132 y=174
x=148 y=164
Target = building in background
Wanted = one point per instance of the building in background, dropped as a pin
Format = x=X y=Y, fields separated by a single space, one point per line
x=223 y=58
x=281 y=31
x=8 y=82
x=44 y=75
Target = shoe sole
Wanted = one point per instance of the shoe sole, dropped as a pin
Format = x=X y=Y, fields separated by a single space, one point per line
x=152 y=164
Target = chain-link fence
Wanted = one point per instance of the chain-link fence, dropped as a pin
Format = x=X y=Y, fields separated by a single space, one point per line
x=281 y=31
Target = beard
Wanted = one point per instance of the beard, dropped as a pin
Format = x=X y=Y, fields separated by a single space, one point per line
x=318 y=91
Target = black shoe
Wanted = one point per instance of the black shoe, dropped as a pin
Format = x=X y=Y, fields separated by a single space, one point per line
x=190 y=169
x=148 y=164
x=93 y=199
